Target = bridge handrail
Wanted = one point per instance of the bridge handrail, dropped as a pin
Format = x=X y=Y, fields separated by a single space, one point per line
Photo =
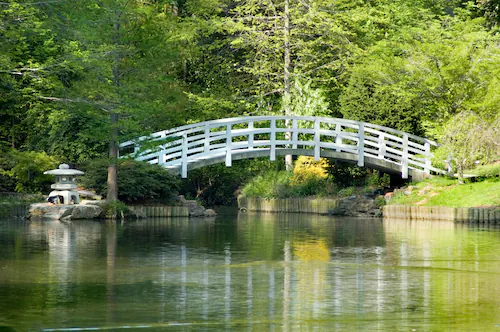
x=197 y=141
x=243 y=119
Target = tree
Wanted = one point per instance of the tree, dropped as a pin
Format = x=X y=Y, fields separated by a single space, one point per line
x=31 y=65
x=421 y=77
x=467 y=138
x=123 y=51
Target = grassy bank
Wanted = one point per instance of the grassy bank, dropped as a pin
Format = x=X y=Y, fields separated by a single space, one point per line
x=440 y=191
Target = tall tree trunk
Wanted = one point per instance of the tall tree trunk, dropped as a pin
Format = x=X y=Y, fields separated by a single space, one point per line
x=112 y=193
x=286 y=90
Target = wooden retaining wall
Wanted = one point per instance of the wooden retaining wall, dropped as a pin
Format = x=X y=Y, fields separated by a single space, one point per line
x=467 y=215
x=161 y=210
x=288 y=205
x=13 y=210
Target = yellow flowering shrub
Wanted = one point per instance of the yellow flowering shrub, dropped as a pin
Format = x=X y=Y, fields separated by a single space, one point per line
x=307 y=169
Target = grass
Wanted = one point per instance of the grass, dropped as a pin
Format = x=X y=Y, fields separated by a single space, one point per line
x=440 y=191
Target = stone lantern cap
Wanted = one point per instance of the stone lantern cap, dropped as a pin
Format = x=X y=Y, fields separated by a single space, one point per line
x=64 y=170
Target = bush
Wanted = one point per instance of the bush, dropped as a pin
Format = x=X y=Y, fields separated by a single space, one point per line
x=377 y=181
x=309 y=178
x=138 y=182
x=306 y=169
x=488 y=171
x=270 y=184
x=345 y=192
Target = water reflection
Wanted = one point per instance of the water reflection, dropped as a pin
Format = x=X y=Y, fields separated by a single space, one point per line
x=251 y=272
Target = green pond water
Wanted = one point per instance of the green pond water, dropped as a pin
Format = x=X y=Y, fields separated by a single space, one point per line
x=249 y=272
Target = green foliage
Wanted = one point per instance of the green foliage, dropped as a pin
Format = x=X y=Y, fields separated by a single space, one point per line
x=305 y=100
x=27 y=171
x=377 y=181
x=114 y=209
x=270 y=184
x=380 y=201
x=346 y=192
x=138 y=182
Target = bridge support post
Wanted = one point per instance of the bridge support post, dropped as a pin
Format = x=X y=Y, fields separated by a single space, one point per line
x=206 y=145
x=361 y=145
x=381 y=146
x=317 y=151
x=428 y=165
x=228 y=146
x=272 y=141
x=250 y=135
x=184 y=164
x=295 y=133
x=338 y=136
x=404 y=161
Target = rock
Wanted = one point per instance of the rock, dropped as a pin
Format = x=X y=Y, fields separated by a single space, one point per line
x=48 y=211
x=85 y=212
x=88 y=194
x=376 y=213
x=66 y=212
x=210 y=213
x=195 y=210
x=92 y=202
x=338 y=211
x=182 y=199
x=388 y=197
x=423 y=192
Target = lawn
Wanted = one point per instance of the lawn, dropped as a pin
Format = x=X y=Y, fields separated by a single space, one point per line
x=440 y=191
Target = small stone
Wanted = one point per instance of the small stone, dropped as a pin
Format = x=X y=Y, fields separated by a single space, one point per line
x=210 y=213
x=423 y=192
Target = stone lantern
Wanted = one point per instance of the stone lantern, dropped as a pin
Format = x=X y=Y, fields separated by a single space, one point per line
x=65 y=187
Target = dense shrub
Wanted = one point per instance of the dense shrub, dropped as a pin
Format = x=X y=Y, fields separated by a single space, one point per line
x=309 y=178
x=138 y=182
x=270 y=184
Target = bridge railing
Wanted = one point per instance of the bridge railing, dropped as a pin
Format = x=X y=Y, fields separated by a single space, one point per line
x=180 y=146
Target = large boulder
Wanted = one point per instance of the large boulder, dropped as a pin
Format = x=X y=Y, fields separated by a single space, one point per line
x=210 y=213
x=66 y=212
x=48 y=211
x=85 y=212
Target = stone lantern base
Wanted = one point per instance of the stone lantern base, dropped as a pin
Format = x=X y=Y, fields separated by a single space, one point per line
x=68 y=196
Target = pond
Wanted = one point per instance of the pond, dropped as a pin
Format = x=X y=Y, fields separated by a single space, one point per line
x=260 y=272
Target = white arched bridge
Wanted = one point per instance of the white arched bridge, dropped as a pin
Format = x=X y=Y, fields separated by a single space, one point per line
x=201 y=144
